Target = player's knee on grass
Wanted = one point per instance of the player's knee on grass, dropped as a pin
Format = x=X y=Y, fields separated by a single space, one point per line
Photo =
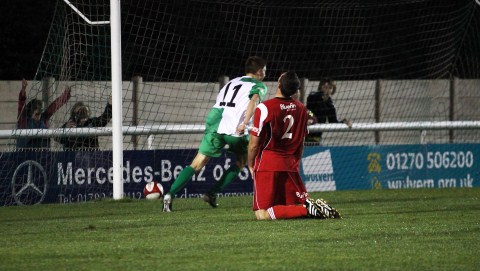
x=262 y=215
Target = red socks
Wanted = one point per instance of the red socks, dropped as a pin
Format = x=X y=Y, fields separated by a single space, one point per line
x=287 y=211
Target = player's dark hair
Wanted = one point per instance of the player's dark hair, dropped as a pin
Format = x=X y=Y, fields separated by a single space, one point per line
x=289 y=84
x=254 y=63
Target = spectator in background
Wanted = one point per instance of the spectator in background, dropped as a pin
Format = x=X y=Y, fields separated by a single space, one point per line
x=80 y=118
x=274 y=154
x=320 y=103
x=32 y=116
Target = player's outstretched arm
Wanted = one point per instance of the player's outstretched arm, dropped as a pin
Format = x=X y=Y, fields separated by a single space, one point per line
x=249 y=113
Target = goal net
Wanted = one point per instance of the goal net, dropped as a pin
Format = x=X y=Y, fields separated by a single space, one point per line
x=404 y=61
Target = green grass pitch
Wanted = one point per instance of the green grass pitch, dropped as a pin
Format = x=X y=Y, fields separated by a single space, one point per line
x=422 y=229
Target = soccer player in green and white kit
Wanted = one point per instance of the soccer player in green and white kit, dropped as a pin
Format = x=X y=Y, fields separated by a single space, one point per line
x=225 y=125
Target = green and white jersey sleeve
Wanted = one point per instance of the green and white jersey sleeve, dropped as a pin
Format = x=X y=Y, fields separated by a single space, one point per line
x=233 y=101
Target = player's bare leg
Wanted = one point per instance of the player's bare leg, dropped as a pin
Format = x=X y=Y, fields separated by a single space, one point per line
x=262 y=215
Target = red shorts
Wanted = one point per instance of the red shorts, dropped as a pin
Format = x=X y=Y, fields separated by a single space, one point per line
x=277 y=188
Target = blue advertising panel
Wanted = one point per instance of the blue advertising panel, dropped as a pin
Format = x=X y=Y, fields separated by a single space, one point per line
x=69 y=177
x=391 y=167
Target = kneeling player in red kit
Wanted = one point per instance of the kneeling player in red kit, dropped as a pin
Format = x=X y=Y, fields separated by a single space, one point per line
x=274 y=153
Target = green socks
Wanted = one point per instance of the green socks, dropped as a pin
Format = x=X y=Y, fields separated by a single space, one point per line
x=183 y=178
x=187 y=173
x=227 y=178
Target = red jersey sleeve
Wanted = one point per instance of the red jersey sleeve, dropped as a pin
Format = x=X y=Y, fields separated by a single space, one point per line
x=259 y=118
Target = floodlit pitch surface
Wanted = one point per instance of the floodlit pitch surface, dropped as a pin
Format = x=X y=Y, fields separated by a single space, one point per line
x=421 y=229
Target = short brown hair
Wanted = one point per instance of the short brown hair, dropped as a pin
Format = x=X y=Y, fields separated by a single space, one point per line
x=254 y=63
x=289 y=84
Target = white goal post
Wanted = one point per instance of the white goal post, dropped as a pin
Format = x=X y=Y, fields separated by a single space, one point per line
x=116 y=68
x=117 y=135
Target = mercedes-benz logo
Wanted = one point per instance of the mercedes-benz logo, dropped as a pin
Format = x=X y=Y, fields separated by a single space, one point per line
x=29 y=183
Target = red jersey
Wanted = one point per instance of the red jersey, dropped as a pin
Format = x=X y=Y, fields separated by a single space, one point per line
x=281 y=123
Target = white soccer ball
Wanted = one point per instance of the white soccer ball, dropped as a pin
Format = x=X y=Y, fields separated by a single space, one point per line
x=153 y=190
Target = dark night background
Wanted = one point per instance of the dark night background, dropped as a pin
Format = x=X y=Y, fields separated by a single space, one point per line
x=395 y=48
x=24 y=26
